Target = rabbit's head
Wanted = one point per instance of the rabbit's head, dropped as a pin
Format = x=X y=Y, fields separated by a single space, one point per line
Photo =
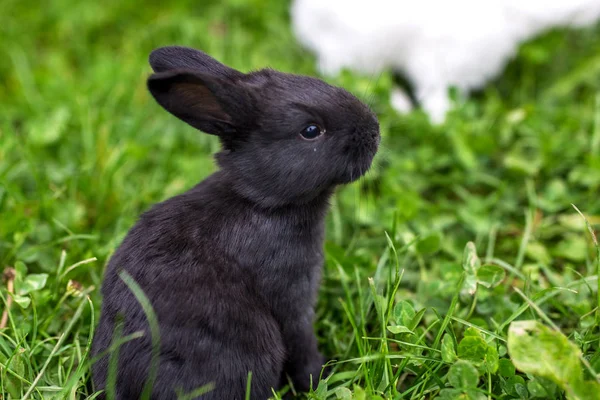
x=286 y=138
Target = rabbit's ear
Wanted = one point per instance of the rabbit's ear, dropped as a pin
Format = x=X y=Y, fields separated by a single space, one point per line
x=211 y=104
x=176 y=57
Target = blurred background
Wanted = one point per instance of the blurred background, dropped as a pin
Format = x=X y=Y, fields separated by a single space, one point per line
x=84 y=150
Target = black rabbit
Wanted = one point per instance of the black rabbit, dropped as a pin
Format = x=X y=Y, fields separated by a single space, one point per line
x=232 y=267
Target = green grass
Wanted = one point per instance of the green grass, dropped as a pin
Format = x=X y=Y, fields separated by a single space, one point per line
x=408 y=308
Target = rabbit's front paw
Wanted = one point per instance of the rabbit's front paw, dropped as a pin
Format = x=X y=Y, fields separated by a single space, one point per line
x=310 y=371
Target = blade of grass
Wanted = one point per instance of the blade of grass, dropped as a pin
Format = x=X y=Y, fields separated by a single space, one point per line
x=59 y=342
x=154 y=330
x=591 y=230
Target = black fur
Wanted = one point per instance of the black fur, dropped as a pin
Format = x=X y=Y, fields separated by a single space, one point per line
x=232 y=266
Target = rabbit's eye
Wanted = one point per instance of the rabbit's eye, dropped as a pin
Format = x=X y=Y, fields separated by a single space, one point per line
x=312 y=132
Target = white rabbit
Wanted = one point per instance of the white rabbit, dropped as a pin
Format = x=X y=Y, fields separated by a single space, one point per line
x=435 y=43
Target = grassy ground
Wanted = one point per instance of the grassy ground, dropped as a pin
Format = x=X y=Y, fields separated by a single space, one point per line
x=434 y=261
